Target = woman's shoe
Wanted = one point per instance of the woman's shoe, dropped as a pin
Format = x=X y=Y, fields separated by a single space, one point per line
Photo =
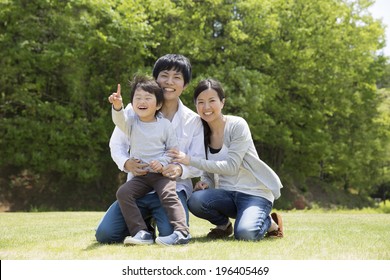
x=278 y=220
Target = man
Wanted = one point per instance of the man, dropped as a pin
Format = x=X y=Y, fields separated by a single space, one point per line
x=173 y=73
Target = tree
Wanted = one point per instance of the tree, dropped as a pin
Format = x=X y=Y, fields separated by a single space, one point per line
x=302 y=73
x=59 y=62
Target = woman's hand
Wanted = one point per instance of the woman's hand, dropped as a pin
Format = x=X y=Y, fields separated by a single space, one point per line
x=178 y=156
x=172 y=171
x=136 y=167
x=200 y=186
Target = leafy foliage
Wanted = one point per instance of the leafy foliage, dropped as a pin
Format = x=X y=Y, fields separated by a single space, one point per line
x=302 y=73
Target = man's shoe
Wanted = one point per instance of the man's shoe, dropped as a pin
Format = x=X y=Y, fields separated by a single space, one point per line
x=176 y=238
x=217 y=233
x=278 y=220
x=141 y=238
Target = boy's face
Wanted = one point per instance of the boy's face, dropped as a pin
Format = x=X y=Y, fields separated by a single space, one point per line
x=172 y=83
x=145 y=105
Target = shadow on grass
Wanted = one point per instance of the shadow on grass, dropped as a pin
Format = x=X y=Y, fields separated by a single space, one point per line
x=199 y=239
x=205 y=239
x=96 y=245
x=202 y=239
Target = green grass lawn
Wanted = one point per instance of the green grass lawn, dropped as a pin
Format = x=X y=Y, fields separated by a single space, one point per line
x=309 y=235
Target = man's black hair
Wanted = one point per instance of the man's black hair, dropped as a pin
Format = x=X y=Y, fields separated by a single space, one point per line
x=176 y=62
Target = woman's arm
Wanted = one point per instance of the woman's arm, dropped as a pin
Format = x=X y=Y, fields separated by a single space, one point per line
x=240 y=140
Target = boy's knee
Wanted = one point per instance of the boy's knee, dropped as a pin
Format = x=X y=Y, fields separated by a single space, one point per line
x=121 y=193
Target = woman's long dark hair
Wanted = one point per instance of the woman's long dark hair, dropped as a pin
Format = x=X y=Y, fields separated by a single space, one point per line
x=203 y=85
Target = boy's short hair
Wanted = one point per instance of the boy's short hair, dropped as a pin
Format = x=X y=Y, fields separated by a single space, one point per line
x=147 y=84
x=176 y=62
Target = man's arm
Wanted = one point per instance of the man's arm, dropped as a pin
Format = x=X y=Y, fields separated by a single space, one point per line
x=119 y=148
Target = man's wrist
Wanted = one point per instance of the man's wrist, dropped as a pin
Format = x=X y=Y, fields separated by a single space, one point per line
x=181 y=168
x=124 y=166
x=188 y=159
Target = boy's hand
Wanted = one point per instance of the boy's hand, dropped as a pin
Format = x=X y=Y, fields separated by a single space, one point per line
x=156 y=166
x=116 y=99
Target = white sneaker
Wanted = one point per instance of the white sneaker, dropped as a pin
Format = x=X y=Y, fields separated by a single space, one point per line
x=141 y=238
x=176 y=238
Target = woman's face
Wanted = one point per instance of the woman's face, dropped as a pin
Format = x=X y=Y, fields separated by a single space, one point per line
x=209 y=106
x=172 y=83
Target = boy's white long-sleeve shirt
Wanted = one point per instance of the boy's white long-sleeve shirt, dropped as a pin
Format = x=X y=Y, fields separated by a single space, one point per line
x=189 y=132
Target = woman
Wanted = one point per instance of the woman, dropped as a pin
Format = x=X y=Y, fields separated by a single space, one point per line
x=246 y=187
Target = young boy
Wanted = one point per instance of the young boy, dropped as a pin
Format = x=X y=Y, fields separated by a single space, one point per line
x=150 y=137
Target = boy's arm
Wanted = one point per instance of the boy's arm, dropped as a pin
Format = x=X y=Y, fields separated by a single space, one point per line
x=121 y=121
x=120 y=144
x=119 y=148
x=171 y=142
x=119 y=117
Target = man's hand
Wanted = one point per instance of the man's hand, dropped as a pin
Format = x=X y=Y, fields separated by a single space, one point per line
x=172 y=171
x=116 y=99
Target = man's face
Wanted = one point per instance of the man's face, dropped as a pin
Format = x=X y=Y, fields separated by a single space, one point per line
x=172 y=83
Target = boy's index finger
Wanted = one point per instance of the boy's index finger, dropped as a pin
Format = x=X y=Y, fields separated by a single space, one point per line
x=118 y=91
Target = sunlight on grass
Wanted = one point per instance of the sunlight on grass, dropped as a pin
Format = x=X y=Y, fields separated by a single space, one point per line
x=381 y=207
x=309 y=234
